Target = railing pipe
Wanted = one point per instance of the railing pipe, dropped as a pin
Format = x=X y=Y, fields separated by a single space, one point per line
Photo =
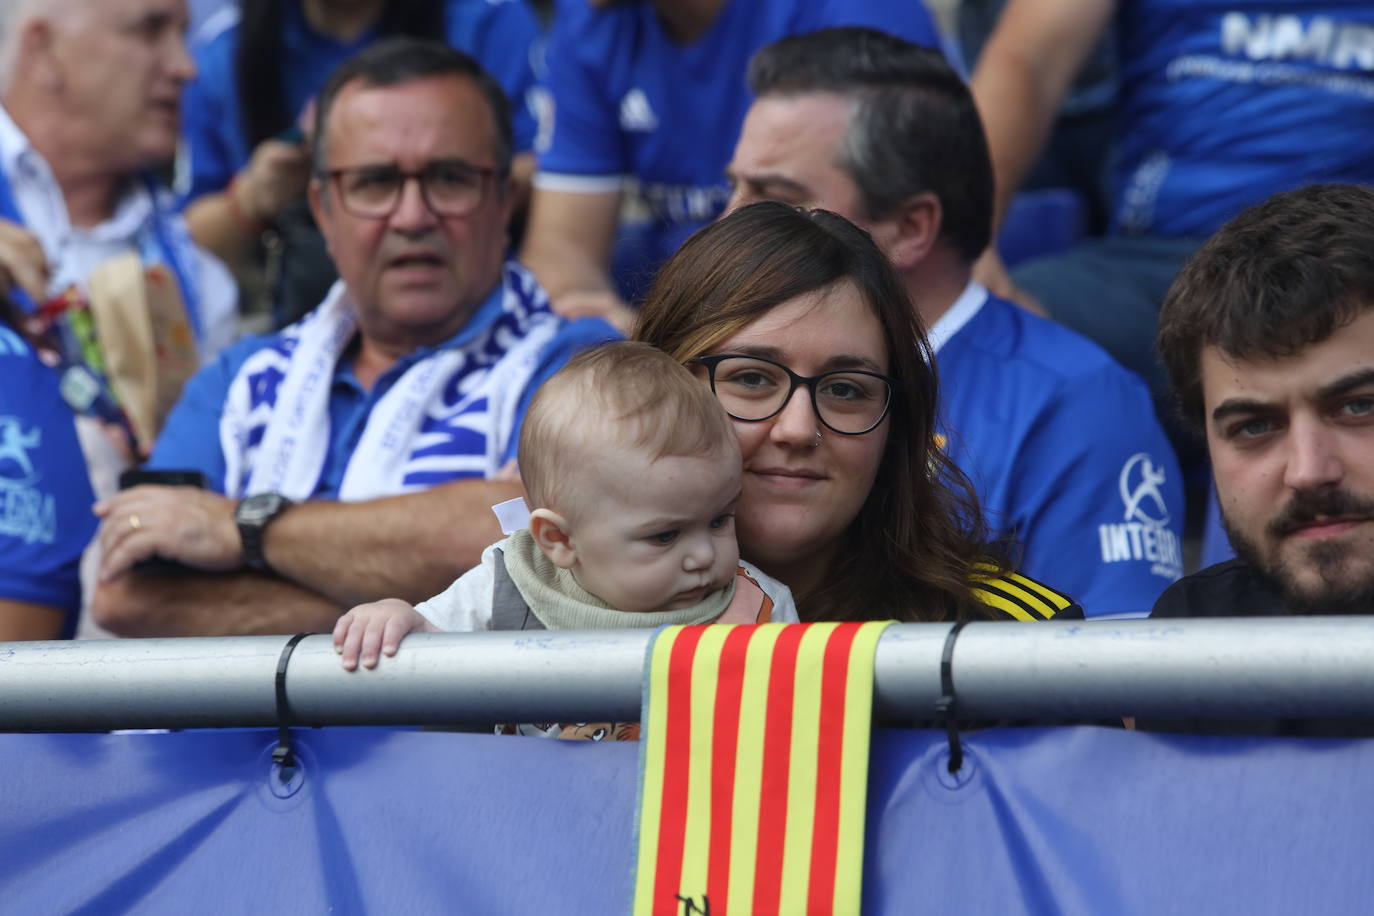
x=1319 y=667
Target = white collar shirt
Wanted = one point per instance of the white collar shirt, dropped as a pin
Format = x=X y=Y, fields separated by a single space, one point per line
x=73 y=252
x=969 y=304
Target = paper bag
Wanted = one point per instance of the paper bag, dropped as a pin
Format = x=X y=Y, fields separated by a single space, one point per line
x=145 y=338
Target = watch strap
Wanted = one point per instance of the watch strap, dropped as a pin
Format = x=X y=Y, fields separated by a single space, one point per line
x=253 y=516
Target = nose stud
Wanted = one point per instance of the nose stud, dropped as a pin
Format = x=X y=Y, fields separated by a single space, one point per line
x=817 y=443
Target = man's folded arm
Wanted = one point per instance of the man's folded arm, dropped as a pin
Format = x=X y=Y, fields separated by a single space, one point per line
x=410 y=547
x=325 y=556
x=192 y=603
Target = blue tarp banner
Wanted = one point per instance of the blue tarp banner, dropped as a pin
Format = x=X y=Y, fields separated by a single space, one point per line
x=1069 y=820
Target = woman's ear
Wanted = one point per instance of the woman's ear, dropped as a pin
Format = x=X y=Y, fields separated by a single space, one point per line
x=554 y=536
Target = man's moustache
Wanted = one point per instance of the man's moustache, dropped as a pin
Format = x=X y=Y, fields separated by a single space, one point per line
x=1307 y=506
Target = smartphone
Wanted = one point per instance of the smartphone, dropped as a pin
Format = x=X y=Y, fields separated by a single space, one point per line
x=136 y=476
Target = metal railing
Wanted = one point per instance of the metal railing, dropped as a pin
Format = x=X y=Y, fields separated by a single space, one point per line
x=1058 y=669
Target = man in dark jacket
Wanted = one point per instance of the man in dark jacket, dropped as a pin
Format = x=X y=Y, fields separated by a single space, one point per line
x=1268 y=338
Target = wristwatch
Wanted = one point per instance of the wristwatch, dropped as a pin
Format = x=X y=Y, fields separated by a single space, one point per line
x=253 y=515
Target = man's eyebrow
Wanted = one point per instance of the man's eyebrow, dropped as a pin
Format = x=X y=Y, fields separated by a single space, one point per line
x=1356 y=379
x=1234 y=406
x=768 y=180
x=444 y=162
x=154 y=21
x=1237 y=406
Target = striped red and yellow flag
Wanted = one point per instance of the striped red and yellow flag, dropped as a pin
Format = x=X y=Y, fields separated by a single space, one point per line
x=755 y=769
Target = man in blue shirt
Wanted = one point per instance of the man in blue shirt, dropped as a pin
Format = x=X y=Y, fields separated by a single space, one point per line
x=246 y=160
x=355 y=452
x=501 y=36
x=653 y=91
x=1220 y=104
x=45 y=496
x=1060 y=442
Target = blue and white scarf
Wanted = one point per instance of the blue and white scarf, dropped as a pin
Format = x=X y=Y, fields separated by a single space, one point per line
x=451 y=415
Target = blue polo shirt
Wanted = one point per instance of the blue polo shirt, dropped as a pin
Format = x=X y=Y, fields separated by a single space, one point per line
x=1065 y=452
x=504 y=38
x=191 y=438
x=45 y=491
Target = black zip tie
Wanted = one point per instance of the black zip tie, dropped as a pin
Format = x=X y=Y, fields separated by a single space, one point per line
x=947 y=706
x=283 y=754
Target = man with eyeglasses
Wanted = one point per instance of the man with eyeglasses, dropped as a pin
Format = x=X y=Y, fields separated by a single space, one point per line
x=1061 y=443
x=359 y=451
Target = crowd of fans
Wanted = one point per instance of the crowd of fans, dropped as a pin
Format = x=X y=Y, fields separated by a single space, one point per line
x=793 y=205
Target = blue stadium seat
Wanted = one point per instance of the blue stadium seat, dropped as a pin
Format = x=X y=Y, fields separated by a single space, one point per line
x=1040 y=223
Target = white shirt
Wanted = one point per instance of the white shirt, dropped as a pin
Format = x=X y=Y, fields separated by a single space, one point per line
x=969 y=303
x=73 y=252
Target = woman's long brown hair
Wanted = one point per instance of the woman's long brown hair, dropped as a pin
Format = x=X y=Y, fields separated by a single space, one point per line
x=912 y=551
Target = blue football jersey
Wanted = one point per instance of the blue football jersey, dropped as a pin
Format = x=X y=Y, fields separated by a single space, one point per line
x=1225 y=103
x=1065 y=452
x=625 y=100
x=45 y=491
x=502 y=36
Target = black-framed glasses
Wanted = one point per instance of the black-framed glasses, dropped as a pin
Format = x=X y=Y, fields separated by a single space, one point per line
x=847 y=401
x=450 y=187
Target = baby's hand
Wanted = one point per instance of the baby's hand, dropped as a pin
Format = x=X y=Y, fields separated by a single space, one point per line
x=373 y=626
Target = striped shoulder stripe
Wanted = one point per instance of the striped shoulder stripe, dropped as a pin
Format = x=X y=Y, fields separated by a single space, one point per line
x=1056 y=599
x=1018 y=596
x=1001 y=602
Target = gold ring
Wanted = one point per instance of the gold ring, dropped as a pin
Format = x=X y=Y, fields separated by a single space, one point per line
x=134 y=523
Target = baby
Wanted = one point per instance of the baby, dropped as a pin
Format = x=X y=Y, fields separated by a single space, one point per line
x=635 y=471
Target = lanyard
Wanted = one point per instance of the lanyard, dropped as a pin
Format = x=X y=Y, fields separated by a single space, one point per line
x=10 y=210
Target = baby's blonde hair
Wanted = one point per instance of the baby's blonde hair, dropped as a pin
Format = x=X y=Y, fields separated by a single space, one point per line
x=619 y=396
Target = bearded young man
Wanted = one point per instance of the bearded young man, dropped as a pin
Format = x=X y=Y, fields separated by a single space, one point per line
x=1268 y=338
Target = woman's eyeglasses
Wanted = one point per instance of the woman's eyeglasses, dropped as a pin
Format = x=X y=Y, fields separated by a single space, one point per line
x=750 y=388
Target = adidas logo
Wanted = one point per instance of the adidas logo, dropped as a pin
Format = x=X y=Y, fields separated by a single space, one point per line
x=635 y=113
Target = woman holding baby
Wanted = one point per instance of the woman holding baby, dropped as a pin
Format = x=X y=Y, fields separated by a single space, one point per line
x=810 y=342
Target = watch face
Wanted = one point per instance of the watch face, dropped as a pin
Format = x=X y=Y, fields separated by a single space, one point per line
x=261 y=506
